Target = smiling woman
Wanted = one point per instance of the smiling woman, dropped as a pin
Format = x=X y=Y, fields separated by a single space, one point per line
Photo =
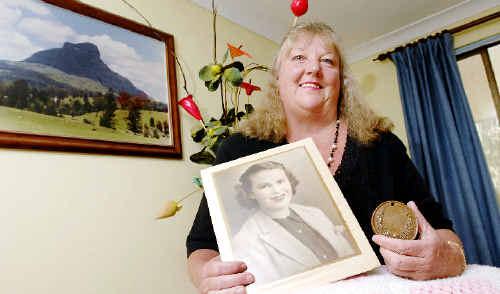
x=281 y=238
x=81 y=79
x=313 y=95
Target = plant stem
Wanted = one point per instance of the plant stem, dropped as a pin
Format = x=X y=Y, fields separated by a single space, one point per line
x=222 y=99
x=237 y=98
x=225 y=95
x=182 y=72
x=138 y=12
x=214 y=15
x=191 y=193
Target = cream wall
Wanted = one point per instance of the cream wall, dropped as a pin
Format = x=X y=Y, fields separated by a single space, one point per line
x=80 y=223
x=378 y=80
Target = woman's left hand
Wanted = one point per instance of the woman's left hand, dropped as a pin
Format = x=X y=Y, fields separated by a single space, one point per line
x=437 y=254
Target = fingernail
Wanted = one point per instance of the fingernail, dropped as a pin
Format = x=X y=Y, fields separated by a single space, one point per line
x=375 y=238
x=243 y=267
x=249 y=278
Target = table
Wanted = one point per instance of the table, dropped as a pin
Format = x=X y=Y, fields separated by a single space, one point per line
x=477 y=279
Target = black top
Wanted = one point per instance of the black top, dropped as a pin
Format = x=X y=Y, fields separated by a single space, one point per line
x=368 y=175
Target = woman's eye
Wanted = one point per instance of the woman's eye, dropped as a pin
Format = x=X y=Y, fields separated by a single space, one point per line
x=327 y=60
x=298 y=58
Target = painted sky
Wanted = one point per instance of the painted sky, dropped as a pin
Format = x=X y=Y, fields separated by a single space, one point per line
x=28 y=26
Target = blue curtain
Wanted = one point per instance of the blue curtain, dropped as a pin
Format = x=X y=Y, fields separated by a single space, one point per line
x=444 y=144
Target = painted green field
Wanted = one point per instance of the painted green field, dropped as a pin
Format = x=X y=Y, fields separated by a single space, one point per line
x=12 y=119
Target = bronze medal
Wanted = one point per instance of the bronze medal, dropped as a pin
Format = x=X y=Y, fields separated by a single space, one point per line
x=394 y=219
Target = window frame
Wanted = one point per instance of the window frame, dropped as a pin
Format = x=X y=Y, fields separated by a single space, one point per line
x=482 y=50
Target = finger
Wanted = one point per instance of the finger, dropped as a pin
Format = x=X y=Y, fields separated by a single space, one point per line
x=234 y=290
x=423 y=225
x=404 y=274
x=216 y=267
x=402 y=247
x=412 y=275
x=401 y=262
x=226 y=282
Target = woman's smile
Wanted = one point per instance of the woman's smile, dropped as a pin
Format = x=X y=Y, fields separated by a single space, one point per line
x=278 y=198
x=311 y=85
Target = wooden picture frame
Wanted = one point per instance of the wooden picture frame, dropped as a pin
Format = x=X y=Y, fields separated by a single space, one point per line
x=111 y=129
x=249 y=199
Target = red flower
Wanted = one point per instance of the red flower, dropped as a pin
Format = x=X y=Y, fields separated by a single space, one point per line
x=249 y=88
x=190 y=106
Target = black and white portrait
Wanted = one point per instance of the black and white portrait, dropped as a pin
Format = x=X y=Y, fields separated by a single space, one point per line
x=276 y=212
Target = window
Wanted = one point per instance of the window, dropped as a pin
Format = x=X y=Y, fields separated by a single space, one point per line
x=479 y=66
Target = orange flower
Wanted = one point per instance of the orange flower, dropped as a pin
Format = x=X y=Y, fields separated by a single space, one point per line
x=235 y=51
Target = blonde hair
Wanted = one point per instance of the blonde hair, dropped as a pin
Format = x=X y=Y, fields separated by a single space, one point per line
x=268 y=122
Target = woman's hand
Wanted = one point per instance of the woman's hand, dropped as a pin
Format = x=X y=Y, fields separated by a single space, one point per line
x=219 y=277
x=436 y=254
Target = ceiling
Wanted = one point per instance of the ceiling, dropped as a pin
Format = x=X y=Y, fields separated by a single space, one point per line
x=366 y=27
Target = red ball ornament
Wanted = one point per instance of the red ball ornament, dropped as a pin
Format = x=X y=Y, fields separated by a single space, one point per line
x=299 y=7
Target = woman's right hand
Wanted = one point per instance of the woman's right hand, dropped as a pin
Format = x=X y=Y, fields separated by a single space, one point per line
x=224 y=277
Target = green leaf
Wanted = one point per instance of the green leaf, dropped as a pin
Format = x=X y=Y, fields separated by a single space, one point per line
x=234 y=76
x=236 y=64
x=220 y=130
x=226 y=55
x=212 y=85
x=213 y=123
x=205 y=73
x=210 y=72
x=215 y=146
x=198 y=135
x=229 y=118
x=209 y=141
x=249 y=108
x=240 y=114
x=202 y=157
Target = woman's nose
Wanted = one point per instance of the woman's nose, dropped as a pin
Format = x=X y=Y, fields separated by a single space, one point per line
x=312 y=67
x=275 y=189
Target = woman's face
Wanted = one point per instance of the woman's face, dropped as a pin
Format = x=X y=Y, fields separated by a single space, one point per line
x=309 y=77
x=271 y=189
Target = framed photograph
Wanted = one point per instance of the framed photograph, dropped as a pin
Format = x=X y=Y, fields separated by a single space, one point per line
x=76 y=78
x=282 y=213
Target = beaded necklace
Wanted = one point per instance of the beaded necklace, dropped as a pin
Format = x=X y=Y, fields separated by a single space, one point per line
x=334 y=145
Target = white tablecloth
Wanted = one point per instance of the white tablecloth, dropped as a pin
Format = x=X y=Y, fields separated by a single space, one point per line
x=477 y=279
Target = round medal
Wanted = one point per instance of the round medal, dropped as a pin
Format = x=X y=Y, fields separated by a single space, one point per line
x=394 y=219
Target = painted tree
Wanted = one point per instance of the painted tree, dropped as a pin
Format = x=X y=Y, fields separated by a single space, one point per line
x=134 y=119
x=107 y=117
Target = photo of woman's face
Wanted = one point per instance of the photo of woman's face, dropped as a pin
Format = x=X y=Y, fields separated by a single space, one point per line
x=271 y=189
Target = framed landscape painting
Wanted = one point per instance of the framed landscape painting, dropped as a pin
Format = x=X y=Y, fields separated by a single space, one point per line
x=281 y=212
x=76 y=78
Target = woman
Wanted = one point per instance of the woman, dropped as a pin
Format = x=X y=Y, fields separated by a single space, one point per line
x=281 y=238
x=314 y=96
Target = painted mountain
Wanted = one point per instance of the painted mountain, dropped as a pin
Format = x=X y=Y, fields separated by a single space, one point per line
x=84 y=60
x=41 y=76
